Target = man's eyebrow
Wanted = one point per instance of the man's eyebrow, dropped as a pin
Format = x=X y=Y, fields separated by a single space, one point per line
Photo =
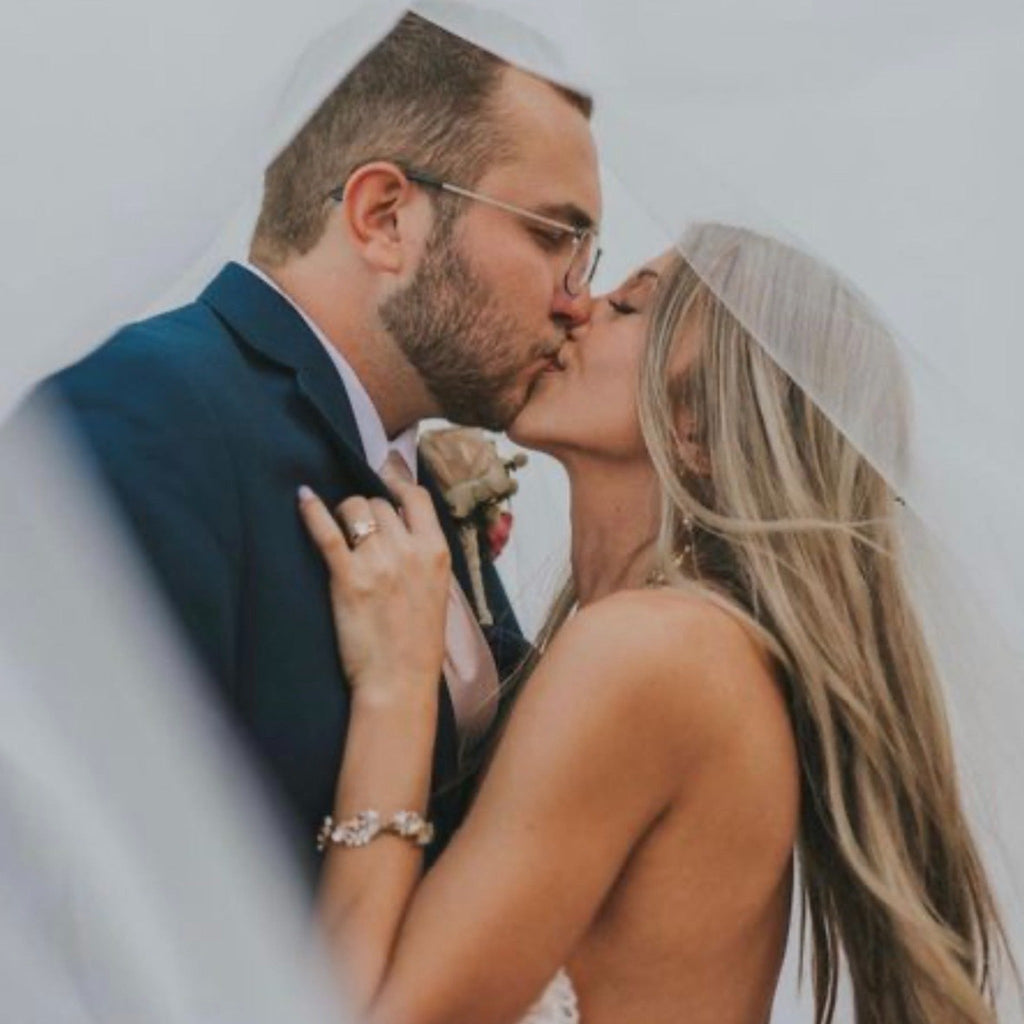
x=568 y=213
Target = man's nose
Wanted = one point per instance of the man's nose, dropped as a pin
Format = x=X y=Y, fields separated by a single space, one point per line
x=573 y=310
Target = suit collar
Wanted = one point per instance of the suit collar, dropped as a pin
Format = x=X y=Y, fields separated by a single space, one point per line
x=265 y=322
x=264 y=319
x=372 y=433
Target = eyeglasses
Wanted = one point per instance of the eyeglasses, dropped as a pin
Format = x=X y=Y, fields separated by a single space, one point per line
x=585 y=255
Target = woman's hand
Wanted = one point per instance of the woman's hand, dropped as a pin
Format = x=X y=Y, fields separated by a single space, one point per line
x=389 y=589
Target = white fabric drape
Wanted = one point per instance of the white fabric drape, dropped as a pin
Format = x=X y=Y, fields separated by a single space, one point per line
x=879 y=136
x=140 y=879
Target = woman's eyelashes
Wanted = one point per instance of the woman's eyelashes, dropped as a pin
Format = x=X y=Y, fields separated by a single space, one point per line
x=633 y=296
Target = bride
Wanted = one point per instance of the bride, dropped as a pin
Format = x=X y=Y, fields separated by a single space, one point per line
x=737 y=673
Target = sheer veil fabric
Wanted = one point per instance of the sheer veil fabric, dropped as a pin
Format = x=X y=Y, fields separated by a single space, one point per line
x=877 y=136
x=139 y=877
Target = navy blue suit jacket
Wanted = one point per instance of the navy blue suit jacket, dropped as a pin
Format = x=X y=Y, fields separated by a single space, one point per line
x=204 y=421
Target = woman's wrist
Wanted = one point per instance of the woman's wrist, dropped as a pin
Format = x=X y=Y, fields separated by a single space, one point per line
x=413 y=700
x=388 y=760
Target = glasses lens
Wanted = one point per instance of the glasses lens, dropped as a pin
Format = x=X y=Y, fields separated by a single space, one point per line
x=584 y=263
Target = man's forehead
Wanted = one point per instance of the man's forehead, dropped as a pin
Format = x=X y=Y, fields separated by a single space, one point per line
x=552 y=165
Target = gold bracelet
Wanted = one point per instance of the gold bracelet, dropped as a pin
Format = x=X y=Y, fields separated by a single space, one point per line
x=367 y=825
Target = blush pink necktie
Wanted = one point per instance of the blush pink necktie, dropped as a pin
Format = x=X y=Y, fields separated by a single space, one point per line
x=469 y=668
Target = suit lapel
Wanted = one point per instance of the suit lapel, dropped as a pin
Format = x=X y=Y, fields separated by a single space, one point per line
x=265 y=322
x=268 y=324
x=326 y=393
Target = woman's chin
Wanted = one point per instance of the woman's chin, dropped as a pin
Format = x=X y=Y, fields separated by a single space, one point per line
x=523 y=435
x=532 y=429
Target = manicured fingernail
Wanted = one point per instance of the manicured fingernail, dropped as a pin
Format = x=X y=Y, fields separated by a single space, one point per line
x=305 y=493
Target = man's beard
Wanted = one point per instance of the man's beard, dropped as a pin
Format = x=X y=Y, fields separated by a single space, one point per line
x=450 y=327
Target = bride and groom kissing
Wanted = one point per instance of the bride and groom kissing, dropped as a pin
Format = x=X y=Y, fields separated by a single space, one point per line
x=602 y=828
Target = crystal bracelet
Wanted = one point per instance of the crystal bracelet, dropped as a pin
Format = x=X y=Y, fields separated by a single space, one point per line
x=367 y=825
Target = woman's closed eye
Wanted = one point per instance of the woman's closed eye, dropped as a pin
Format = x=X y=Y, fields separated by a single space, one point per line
x=633 y=296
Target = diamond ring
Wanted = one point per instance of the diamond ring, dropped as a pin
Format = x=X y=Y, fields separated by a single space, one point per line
x=360 y=530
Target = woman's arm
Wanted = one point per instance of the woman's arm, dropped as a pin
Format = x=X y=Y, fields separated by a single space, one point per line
x=389 y=600
x=364 y=891
x=594 y=753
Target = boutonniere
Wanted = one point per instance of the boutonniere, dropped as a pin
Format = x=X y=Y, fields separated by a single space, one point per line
x=477 y=483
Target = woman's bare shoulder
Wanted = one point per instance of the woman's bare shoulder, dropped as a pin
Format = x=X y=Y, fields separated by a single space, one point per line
x=664 y=633
x=678 y=663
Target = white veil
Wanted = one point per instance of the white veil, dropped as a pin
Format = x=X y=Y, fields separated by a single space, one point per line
x=140 y=878
x=878 y=136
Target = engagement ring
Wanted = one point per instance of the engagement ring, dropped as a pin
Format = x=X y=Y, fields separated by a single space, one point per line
x=360 y=530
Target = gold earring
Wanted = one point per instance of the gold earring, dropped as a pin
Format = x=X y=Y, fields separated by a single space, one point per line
x=657 y=577
x=688 y=540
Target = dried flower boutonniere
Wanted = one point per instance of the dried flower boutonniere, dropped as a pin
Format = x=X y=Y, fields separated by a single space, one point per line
x=477 y=483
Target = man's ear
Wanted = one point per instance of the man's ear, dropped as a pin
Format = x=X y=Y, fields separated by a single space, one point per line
x=377 y=202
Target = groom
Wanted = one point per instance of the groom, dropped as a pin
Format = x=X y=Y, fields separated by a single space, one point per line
x=379 y=292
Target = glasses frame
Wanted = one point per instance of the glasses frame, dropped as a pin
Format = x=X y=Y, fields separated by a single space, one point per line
x=579 y=234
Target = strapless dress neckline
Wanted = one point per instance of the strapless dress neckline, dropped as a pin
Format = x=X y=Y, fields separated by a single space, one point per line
x=558 y=1004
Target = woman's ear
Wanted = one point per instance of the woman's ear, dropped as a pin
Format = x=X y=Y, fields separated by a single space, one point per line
x=378 y=199
x=691 y=449
x=690 y=443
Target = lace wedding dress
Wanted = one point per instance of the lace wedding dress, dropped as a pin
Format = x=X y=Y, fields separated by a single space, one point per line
x=558 y=1004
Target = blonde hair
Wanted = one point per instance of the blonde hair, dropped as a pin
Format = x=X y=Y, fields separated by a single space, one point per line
x=793 y=530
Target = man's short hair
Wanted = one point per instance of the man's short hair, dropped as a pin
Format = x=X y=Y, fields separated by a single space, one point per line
x=422 y=97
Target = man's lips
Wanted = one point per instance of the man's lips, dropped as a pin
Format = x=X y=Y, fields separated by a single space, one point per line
x=553 y=362
x=548 y=361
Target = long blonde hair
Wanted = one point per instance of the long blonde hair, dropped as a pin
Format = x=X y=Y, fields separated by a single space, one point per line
x=794 y=531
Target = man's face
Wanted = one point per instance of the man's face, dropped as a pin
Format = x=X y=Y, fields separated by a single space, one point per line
x=487 y=310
